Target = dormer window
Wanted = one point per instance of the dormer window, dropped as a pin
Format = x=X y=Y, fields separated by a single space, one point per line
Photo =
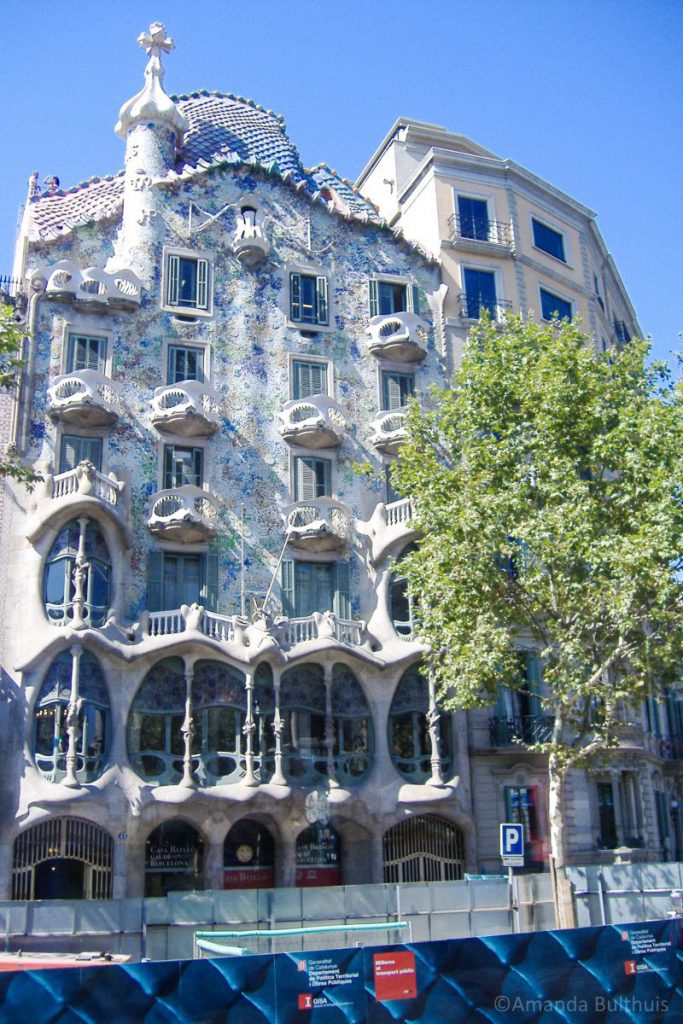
x=187 y=283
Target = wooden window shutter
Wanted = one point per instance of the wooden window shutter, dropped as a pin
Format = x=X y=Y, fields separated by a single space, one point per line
x=321 y=297
x=155 y=589
x=373 y=288
x=295 y=296
x=413 y=299
x=342 y=597
x=209 y=590
x=288 y=593
x=202 y=284
x=173 y=281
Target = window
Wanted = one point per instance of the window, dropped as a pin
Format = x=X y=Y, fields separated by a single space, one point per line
x=409 y=741
x=473 y=218
x=51 y=736
x=182 y=466
x=553 y=307
x=309 y=587
x=184 y=363
x=548 y=240
x=75 y=449
x=79 y=549
x=519 y=714
x=176 y=579
x=187 y=282
x=397 y=388
x=308 y=299
x=308 y=378
x=521 y=807
x=312 y=478
x=606 y=815
x=86 y=353
x=387 y=297
x=392 y=493
x=480 y=293
x=400 y=602
x=303 y=709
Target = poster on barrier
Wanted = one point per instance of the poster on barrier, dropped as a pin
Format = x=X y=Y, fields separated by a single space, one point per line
x=321 y=987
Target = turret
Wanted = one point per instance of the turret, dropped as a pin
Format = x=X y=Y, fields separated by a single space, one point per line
x=153 y=128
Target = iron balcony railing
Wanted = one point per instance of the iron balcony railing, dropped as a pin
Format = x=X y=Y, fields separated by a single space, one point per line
x=476 y=229
x=511 y=731
x=472 y=307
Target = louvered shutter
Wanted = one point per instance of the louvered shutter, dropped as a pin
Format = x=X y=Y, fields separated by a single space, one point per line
x=305 y=483
x=413 y=299
x=295 y=297
x=342 y=598
x=173 y=282
x=321 y=299
x=288 y=593
x=373 y=288
x=202 y=284
x=68 y=460
x=155 y=570
x=392 y=391
x=209 y=590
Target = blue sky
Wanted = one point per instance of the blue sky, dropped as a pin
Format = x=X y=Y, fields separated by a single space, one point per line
x=584 y=93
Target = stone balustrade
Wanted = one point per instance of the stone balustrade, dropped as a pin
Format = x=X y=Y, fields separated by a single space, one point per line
x=91 y=286
x=315 y=422
x=187 y=514
x=188 y=409
x=388 y=431
x=84 y=398
x=319 y=525
x=398 y=336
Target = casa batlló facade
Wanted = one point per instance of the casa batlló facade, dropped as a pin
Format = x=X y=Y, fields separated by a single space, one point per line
x=209 y=672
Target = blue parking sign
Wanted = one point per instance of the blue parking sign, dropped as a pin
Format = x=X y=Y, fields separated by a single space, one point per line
x=512 y=844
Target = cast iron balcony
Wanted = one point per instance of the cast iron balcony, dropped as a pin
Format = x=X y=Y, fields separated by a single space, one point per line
x=186 y=514
x=389 y=431
x=398 y=336
x=318 y=525
x=315 y=422
x=185 y=409
x=472 y=307
x=512 y=731
x=474 y=232
x=84 y=398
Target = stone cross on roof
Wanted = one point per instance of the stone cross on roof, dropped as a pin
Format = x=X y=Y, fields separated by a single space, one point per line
x=152 y=103
x=156 y=40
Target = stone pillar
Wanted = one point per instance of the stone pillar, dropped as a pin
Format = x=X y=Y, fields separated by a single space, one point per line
x=248 y=730
x=377 y=856
x=72 y=728
x=329 y=729
x=278 y=778
x=188 y=732
x=433 y=717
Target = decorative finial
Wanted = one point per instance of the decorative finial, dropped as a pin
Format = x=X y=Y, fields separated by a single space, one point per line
x=152 y=103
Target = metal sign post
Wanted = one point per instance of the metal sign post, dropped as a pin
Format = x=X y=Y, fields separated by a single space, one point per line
x=512 y=855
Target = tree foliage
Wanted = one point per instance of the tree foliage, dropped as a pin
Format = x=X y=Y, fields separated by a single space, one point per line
x=546 y=483
x=11 y=338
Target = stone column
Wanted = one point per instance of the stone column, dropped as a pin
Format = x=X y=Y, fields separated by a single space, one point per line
x=248 y=730
x=329 y=729
x=433 y=727
x=80 y=577
x=72 y=729
x=278 y=778
x=188 y=732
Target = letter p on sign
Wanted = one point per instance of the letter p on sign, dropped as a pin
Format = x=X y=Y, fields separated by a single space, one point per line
x=512 y=844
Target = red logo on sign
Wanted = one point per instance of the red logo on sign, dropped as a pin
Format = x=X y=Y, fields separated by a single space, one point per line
x=630 y=966
x=301 y=965
x=305 y=1001
x=395 y=976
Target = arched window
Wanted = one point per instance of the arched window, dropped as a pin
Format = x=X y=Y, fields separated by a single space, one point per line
x=423 y=849
x=302 y=707
x=400 y=602
x=318 y=856
x=51 y=738
x=155 y=739
x=220 y=707
x=174 y=859
x=248 y=856
x=353 y=740
x=63 y=858
x=77 y=579
x=409 y=741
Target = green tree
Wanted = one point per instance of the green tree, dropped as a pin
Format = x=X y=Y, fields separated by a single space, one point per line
x=11 y=338
x=546 y=483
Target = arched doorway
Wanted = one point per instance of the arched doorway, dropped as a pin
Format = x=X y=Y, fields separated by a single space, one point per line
x=248 y=856
x=318 y=856
x=174 y=859
x=62 y=858
x=424 y=849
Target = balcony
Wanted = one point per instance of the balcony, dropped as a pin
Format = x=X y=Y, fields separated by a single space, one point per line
x=473 y=307
x=316 y=422
x=84 y=398
x=398 y=336
x=91 y=288
x=389 y=431
x=185 y=514
x=249 y=244
x=186 y=409
x=520 y=730
x=390 y=529
x=318 y=525
x=82 y=491
x=481 y=235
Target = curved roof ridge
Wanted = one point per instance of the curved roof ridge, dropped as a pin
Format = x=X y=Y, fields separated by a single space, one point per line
x=230 y=96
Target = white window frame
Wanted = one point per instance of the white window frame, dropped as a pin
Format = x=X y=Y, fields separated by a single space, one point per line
x=548 y=222
x=169 y=441
x=408 y=283
x=186 y=254
x=558 y=295
x=485 y=197
x=311 y=453
x=303 y=357
x=87 y=327
x=487 y=269
x=308 y=270
x=72 y=431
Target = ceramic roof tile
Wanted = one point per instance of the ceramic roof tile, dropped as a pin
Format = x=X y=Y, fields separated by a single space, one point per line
x=60 y=212
x=350 y=197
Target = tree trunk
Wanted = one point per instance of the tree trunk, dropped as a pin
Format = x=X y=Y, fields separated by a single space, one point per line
x=564 y=905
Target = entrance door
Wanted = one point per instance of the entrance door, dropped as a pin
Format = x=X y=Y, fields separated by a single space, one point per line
x=61 y=878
